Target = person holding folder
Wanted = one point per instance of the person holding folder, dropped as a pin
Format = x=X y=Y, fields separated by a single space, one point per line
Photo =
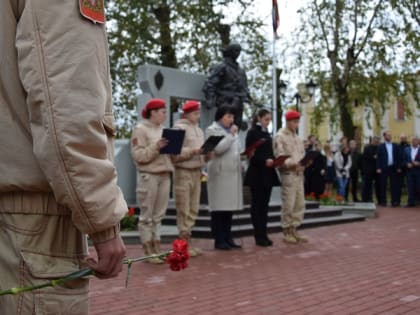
x=287 y=142
x=260 y=175
x=187 y=177
x=153 y=174
x=224 y=183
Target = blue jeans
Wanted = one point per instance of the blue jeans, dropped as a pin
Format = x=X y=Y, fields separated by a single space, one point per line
x=342 y=184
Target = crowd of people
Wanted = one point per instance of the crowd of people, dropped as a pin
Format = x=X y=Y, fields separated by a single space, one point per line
x=59 y=182
x=365 y=172
x=347 y=168
x=225 y=174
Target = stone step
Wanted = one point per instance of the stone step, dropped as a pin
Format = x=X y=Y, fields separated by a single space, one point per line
x=241 y=217
x=170 y=232
x=247 y=229
x=274 y=206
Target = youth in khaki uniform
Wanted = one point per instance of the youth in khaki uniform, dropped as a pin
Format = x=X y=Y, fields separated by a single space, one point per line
x=287 y=142
x=153 y=176
x=187 y=179
x=58 y=181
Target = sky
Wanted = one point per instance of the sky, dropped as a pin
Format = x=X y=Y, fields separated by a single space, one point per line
x=289 y=20
x=288 y=15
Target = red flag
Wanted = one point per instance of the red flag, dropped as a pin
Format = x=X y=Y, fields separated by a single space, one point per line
x=276 y=18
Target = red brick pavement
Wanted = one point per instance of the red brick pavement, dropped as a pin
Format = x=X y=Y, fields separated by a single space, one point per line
x=364 y=268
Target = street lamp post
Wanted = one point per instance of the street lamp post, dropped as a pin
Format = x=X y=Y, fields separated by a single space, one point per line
x=298 y=97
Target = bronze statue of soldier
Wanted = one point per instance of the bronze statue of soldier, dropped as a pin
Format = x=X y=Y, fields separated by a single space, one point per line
x=227 y=83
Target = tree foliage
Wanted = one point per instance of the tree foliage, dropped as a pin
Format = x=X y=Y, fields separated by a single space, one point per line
x=183 y=35
x=360 y=51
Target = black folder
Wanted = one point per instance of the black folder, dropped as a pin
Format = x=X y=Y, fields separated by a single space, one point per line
x=210 y=144
x=309 y=157
x=175 y=139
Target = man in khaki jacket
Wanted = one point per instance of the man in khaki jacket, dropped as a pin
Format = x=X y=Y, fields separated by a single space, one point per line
x=187 y=179
x=58 y=181
x=287 y=142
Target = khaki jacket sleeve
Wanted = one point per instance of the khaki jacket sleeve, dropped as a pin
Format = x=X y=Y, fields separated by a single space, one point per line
x=142 y=152
x=278 y=149
x=186 y=154
x=72 y=125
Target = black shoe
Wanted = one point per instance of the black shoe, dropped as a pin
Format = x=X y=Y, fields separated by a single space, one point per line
x=263 y=243
x=409 y=206
x=270 y=242
x=382 y=204
x=232 y=244
x=395 y=205
x=222 y=246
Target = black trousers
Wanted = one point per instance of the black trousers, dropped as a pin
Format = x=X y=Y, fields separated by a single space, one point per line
x=221 y=226
x=370 y=181
x=395 y=179
x=354 y=183
x=413 y=185
x=260 y=197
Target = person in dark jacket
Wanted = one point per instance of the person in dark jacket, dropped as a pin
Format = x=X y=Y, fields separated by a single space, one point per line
x=369 y=175
x=317 y=171
x=330 y=169
x=411 y=158
x=260 y=175
x=354 y=171
x=403 y=144
x=388 y=165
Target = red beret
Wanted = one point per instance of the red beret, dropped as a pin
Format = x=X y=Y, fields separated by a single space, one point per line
x=154 y=103
x=292 y=114
x=190 y=106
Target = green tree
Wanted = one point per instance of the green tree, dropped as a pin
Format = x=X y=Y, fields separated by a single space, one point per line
x=360 y=51
x=179 y=34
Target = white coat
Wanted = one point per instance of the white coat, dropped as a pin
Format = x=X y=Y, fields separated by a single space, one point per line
x=339 y=161
x=224 y=182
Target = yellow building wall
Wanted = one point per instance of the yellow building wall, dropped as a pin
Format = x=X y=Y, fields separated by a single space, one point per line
x=398 y=127
x=321 y=131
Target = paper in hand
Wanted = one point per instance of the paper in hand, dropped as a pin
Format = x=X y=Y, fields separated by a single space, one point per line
x=251 y=148
x=279 y=161
x=175 y=139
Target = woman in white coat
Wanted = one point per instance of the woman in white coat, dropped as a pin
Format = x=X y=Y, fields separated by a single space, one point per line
x=224 y=183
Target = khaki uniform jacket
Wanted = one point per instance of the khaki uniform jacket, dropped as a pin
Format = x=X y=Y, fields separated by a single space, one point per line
x=56 y=122
x=287 y=142
x=194 y=138
x=145 y=152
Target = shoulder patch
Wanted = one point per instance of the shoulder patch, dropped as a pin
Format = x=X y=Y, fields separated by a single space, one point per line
x=93 y=10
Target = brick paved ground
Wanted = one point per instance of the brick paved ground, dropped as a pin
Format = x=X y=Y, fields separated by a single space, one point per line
x=370 y=267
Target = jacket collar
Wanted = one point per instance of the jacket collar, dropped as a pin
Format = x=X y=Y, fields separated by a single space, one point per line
x=287 y=131
x=149 y=124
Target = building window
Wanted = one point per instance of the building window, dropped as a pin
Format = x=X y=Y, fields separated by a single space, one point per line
x=400 y=110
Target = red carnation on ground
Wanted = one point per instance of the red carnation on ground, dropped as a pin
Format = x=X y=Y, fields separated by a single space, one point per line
x=178 y=257
x=339 y=198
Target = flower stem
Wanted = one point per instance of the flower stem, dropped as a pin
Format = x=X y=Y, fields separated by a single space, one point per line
x=80 y=274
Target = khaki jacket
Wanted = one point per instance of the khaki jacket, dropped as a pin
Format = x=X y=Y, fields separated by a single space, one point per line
x=288 y=143
x=194 y=138
x=145 y=152
x=56 y=121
